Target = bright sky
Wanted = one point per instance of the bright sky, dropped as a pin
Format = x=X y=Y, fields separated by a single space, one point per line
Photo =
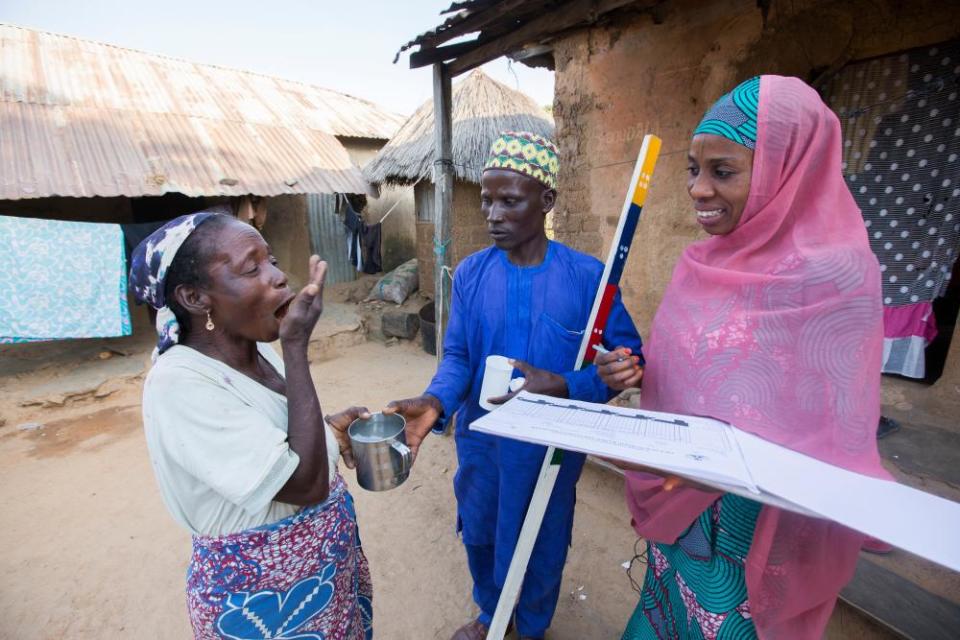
x=344 y=45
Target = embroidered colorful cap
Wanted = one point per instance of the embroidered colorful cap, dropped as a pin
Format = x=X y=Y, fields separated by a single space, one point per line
x=526 y=153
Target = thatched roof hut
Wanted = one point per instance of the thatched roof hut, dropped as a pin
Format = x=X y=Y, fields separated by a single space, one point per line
x=481 y=109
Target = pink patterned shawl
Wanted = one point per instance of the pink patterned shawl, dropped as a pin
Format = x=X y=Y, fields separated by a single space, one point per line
x=777 y=328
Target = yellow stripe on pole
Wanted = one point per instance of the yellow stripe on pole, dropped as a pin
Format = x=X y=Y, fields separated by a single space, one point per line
x=646 y=172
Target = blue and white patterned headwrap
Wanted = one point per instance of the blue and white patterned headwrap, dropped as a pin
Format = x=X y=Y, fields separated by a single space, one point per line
x=148 y=271
x=734 y=116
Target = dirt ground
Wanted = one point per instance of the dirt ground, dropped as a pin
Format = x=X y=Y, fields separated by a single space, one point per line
x=90 y=551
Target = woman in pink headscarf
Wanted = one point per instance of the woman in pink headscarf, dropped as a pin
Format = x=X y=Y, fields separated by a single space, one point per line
x=774 y=324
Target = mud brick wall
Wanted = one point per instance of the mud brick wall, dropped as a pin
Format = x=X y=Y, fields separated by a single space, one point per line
x=618 y=81
x=469 y=228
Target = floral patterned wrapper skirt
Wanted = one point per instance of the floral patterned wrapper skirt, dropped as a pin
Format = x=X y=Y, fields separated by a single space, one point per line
x=695 y=589
x=304 y=577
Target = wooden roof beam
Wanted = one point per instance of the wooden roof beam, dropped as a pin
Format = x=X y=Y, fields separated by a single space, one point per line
x=427 y=57
x=560 y=19
x=473 y=22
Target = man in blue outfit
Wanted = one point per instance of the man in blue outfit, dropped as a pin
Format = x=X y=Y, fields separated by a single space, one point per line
x=527 y=298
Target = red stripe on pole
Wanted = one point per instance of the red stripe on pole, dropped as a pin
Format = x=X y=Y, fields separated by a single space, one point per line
x=600 y=323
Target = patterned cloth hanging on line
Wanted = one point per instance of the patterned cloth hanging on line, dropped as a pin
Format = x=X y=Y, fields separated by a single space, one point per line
x=900 y=117
x=61 y=280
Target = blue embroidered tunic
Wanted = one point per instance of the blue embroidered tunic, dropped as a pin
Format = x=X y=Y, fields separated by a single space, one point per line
x=536 y=314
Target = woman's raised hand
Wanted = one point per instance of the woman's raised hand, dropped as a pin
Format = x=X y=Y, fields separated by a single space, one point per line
x=306 y=308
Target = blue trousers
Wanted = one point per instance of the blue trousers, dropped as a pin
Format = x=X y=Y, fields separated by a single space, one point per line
x=494 y=483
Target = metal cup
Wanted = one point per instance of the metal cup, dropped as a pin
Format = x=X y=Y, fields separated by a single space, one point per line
x=380 y=449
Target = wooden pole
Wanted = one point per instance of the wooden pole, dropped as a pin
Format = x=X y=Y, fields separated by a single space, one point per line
x=443 y=189
x=596 y=325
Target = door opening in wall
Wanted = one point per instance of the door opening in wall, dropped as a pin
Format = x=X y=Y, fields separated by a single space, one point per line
x=900 y=117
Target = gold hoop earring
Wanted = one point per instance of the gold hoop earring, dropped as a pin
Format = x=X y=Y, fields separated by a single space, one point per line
x=210 y=326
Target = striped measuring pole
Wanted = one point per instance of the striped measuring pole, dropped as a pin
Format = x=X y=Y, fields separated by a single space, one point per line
x=602 y=303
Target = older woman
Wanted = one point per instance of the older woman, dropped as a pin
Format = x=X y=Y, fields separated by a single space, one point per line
x=237 y=440
x=773 y=324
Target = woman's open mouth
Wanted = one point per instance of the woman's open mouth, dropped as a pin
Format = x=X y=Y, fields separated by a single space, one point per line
x=281 y=311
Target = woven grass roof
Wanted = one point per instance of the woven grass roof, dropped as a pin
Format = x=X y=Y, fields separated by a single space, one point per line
x=482 y=109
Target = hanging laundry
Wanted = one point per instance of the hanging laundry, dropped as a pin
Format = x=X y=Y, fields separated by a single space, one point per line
x=354 y=224
x=370 y=243
x=907 y=330
x=61 y=280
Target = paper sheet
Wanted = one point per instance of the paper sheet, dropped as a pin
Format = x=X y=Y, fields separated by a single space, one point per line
x=913 y=520
x=717 y=454
x=687 y=445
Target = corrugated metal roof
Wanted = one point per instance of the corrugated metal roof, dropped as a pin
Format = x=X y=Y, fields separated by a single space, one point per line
x=81 y=118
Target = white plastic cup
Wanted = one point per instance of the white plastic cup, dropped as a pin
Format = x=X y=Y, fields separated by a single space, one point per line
x=496 y=380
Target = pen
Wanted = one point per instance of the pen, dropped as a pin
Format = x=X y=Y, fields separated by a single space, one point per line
x=599 y=349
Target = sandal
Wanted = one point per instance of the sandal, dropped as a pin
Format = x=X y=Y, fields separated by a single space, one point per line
x=886 y=427
x=475 y=630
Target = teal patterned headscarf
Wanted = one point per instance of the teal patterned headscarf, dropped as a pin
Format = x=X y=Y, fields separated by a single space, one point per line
x=734 y=116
